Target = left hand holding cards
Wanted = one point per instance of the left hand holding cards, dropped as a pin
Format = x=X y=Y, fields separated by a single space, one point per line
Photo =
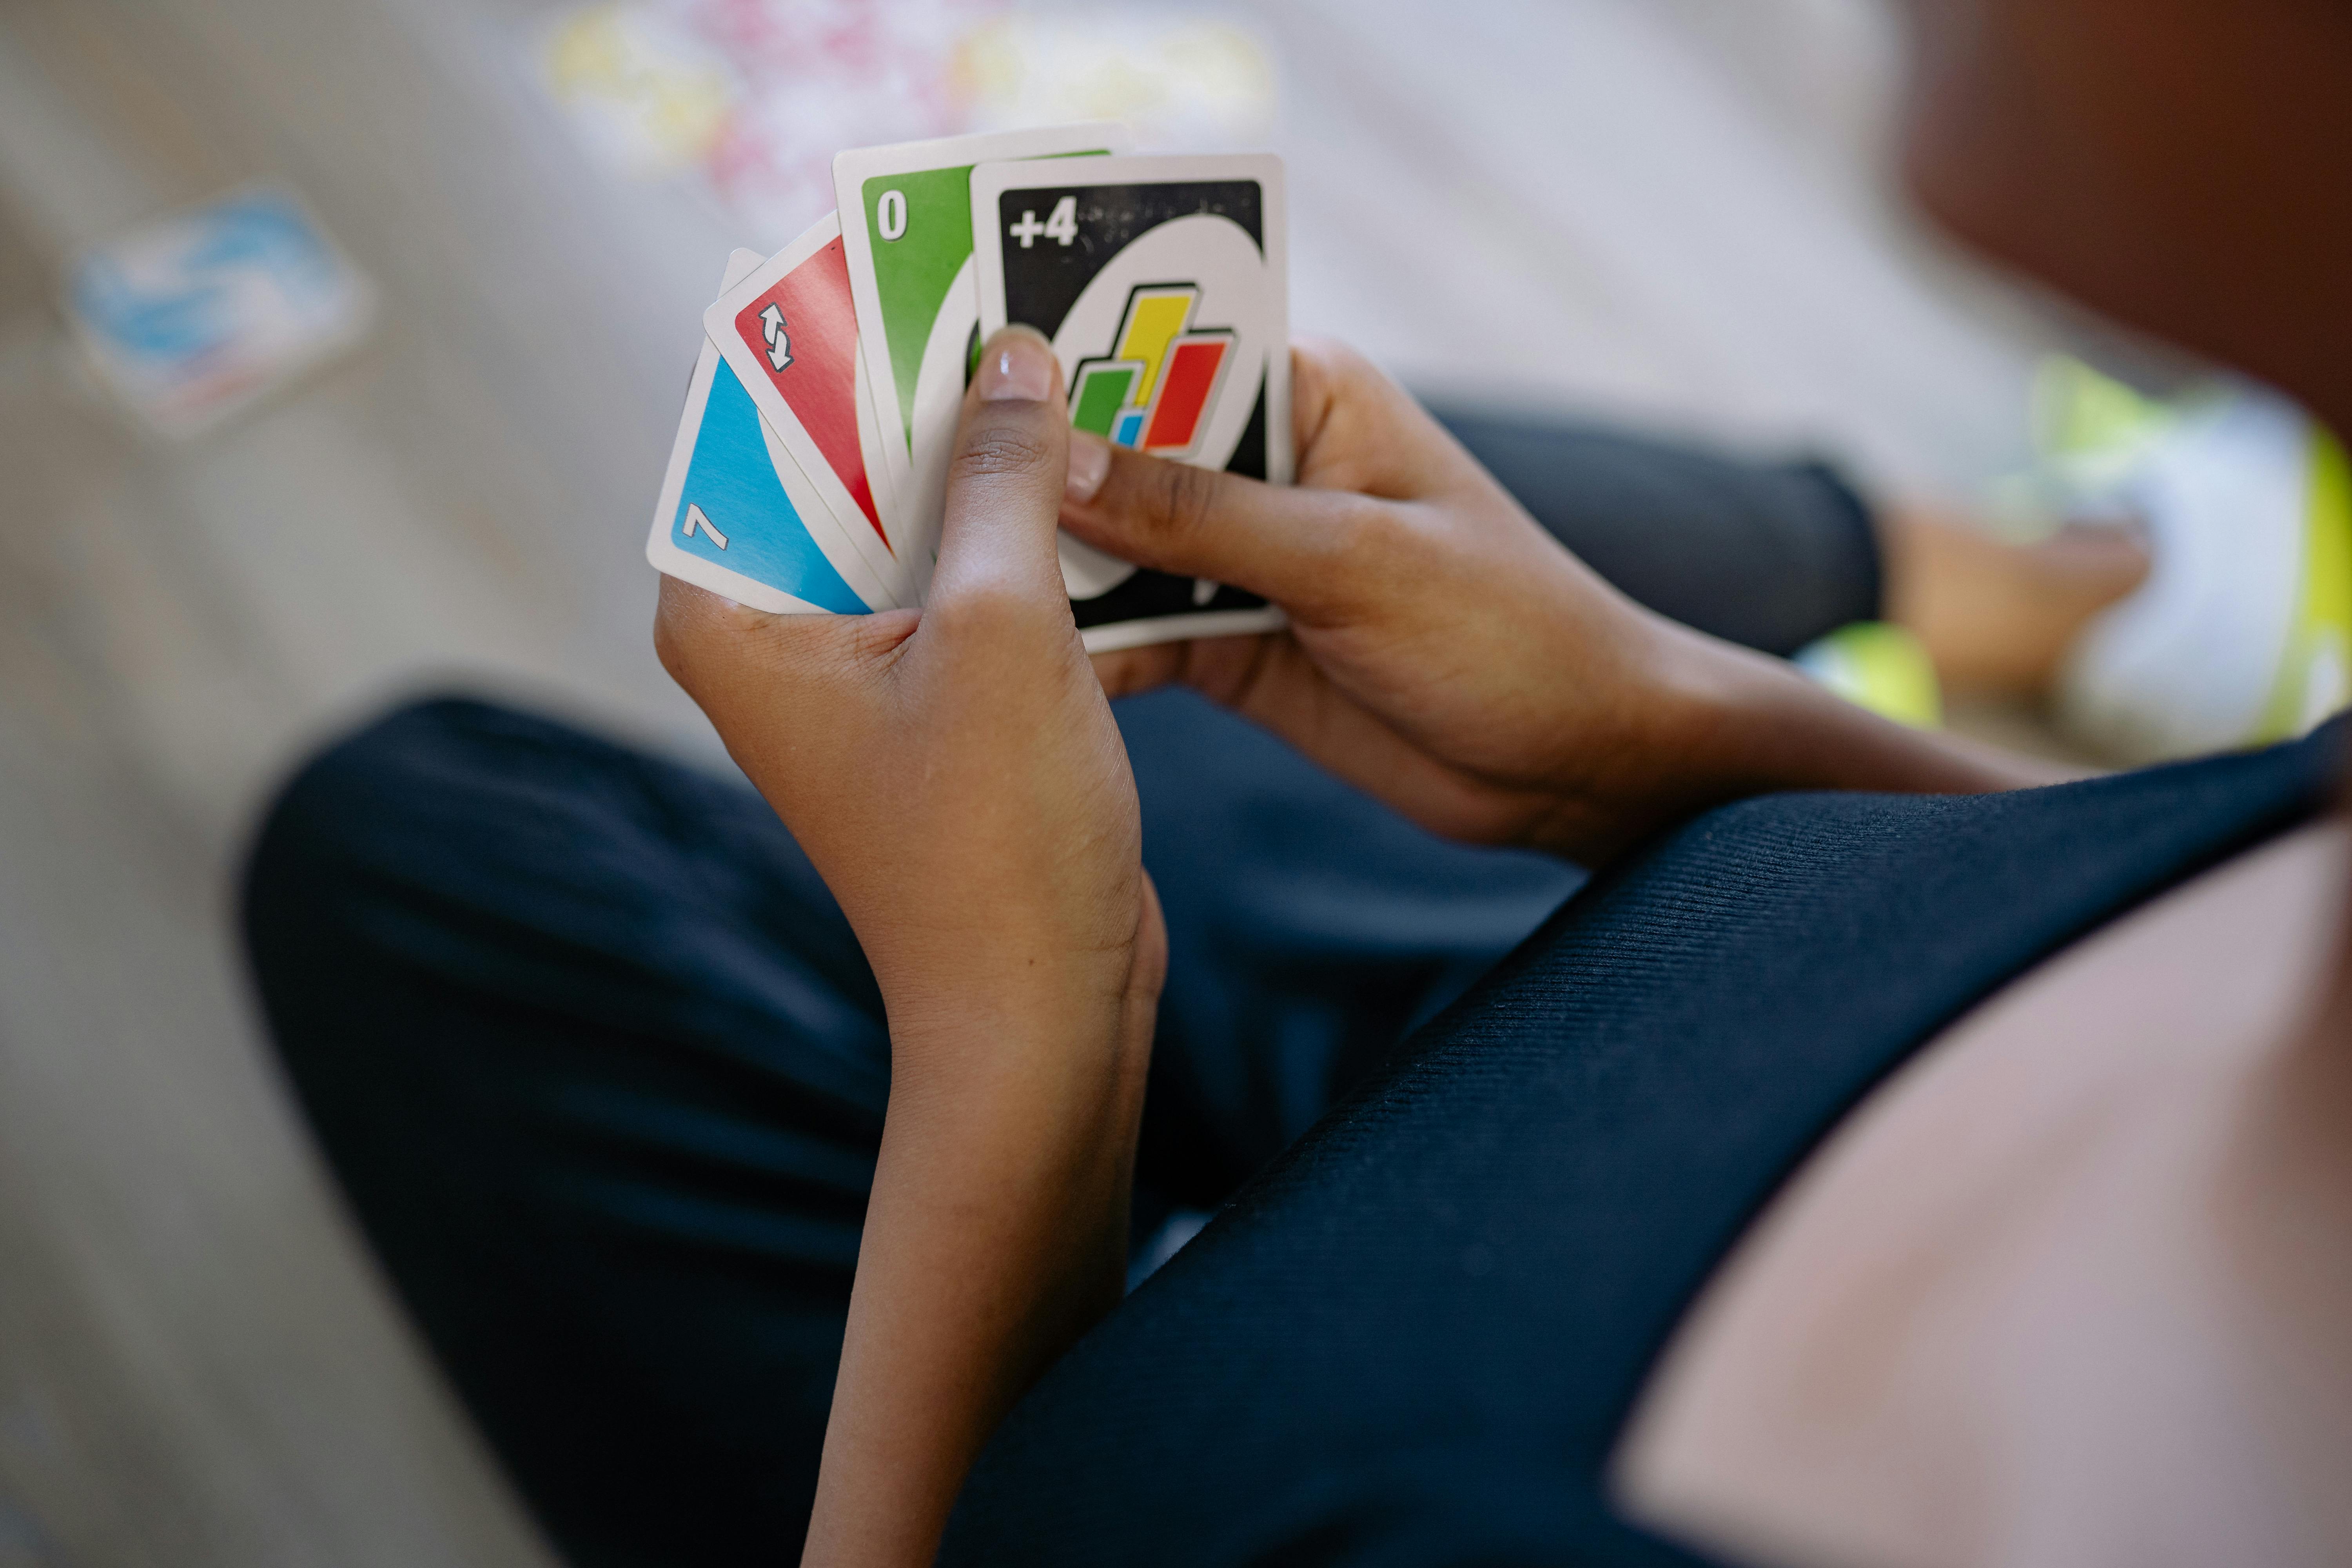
x=957 y=782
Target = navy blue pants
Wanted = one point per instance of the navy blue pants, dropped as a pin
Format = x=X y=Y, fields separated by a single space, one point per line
x=601 y=1070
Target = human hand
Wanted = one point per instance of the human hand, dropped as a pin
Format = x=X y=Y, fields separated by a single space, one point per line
x=954 y=774
x=1447 y=655
x=956 y=778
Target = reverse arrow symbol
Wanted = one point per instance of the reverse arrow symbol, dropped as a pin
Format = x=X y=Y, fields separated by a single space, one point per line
x=771 y=327
x=694 y=518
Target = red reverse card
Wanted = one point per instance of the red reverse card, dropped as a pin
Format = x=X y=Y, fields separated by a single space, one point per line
x=789 y=330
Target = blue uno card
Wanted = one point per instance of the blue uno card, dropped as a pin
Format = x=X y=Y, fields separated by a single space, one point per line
x=738 y=517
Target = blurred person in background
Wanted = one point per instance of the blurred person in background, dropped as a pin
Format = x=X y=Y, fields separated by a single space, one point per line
x=2169 y=579
x=1878 y=1161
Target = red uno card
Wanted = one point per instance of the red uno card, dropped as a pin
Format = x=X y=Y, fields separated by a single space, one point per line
x=790 y=333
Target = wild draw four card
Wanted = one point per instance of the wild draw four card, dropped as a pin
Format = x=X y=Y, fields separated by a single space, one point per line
x=1164 y=286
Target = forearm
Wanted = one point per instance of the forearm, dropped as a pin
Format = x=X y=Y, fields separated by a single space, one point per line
x=1743 y=724
x=995 y=1234
x=1707 y=723
x=1754 y=724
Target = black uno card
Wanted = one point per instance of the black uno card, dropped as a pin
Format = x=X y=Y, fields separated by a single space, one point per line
x=1162 y=284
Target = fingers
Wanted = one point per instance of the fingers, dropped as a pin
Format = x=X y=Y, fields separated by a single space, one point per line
x=712 y=646
x=1356 y=429
x=1131 y=670
x=1362 y=443
x=1273 y=683
x=1278 y=542
x=1006 y=480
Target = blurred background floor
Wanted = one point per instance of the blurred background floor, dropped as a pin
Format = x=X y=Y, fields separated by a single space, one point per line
x=1664 y=211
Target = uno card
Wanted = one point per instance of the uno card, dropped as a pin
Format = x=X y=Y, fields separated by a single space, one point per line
x=907 y=232
x=738 y=516
x=1163 y=285
x=789 y=332
x=885 y=488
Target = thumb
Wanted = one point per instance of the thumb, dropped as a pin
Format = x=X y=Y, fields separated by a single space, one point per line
x=1282 y=543
x=1005 y=479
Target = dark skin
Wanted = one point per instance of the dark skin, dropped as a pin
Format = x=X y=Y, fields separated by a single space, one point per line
x=2176 y=165
x=1447 y=655
x=2174 y=162
x=2180 y=165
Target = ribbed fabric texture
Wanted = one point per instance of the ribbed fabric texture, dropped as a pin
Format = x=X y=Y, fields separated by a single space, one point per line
x=1415 y=1337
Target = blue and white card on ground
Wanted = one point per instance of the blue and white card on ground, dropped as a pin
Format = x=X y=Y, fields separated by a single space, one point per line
x=737 y=514
x=193 y=316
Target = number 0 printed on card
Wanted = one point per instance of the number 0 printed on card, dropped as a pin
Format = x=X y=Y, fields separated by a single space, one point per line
x=906 y=229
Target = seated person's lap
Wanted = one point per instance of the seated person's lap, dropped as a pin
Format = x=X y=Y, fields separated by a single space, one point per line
x=1415 y=1336
x=603 y=1069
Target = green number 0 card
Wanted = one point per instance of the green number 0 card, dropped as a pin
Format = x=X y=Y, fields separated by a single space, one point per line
x=906 y=228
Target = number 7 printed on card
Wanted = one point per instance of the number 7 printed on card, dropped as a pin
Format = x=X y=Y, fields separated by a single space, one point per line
x=737 y=515
x=906 y=229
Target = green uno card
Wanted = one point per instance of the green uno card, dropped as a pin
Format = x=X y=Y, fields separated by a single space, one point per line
x=906 y=228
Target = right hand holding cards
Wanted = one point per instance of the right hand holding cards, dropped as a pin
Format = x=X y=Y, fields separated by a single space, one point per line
x=1159 y=282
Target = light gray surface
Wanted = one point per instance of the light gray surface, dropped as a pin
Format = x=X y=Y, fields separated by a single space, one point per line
x=1660 y=206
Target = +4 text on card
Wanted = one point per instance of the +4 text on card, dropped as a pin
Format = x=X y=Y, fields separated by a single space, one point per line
x=906 y=234
x=737 y=513
x=1162 y=283
x=789 y=332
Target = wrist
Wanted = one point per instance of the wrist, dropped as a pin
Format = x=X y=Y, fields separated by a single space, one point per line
x=1032 y=1027
x=995 y=1234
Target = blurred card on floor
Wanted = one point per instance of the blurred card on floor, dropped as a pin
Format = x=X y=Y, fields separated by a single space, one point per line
x=739 y=517
x=194 y=316
x=790 y=333
x=906 y=232
x=1164 y=286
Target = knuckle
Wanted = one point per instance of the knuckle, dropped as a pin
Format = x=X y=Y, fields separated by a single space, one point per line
x=986 y=612
x=1367 y=546
x=669 y=647
x=1339 y=366
x=1182 y=498
x=1344 y=363
x=998 y=450
x=674 y=638
x=1362 y=528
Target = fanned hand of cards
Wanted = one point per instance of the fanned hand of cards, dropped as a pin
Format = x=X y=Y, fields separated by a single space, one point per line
x=811 y=463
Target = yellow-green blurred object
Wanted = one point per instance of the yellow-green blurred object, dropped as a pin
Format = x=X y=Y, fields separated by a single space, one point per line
x=2315 y=679
x=1880 y=666
x=2091 y=432
x=649 y=95
x=2081 y=413
x=1202 y=83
